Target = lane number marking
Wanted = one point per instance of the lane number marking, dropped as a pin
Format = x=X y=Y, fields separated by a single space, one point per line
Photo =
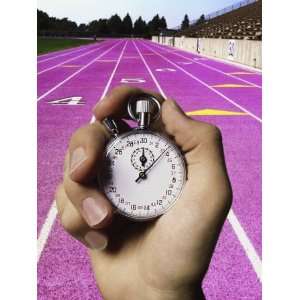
x=185 y=62
x=132 y=80
x=165 y=70
x=76 y=100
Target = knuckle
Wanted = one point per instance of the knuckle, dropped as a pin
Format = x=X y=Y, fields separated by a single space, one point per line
x=214 y=132
x=205 y=130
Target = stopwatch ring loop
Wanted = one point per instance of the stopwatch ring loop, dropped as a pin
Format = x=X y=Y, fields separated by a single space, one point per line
x=133 y=115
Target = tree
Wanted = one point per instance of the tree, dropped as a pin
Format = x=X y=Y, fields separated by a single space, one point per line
x=201 y=20
x=102 y=27
x=185 y=23
x=93 y=27
x=140 y=27
x=157 y=24
x=82 y=30
x=163 y=23
x=127 y=25
x=154 y=25
x=114 y=24
x=43 y=20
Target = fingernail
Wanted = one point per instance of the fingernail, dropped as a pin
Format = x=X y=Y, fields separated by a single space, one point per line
x=93 y=211
x=77 y=158
x=96 y=240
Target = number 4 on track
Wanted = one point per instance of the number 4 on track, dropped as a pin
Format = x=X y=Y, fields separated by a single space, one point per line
x=77 y=100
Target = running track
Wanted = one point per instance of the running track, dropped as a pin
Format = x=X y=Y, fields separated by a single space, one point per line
x=220 y=93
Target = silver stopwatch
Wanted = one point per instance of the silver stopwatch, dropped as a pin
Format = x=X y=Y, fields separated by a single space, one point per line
x=144 y=171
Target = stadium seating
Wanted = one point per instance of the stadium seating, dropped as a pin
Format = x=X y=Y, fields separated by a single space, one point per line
x=242 y=23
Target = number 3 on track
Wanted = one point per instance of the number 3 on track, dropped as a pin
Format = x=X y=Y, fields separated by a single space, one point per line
x=68 y=101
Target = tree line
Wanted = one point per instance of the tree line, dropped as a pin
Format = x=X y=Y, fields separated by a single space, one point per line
x=186 y=22
x=114 y=26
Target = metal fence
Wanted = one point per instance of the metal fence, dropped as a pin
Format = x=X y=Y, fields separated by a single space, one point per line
x=228 y=9
x=223 y=11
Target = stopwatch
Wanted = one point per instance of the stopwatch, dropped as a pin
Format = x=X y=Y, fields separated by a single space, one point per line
x=143 y=172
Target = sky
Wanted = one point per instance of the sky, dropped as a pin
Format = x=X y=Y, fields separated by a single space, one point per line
x=84 y=11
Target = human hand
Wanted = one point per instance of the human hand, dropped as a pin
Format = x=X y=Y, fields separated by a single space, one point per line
x=162 y=259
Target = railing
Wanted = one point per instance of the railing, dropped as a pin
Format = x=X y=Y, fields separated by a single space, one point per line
x=223 y=11
x=228 y=9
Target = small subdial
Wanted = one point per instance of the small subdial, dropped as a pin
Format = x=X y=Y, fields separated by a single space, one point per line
x=142 y=158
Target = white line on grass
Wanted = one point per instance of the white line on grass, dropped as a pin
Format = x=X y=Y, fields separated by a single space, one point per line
x=76 y=73
x=233 y=220
x=212 y=68
x=62 y=51
x=63 y=54
x=68 y=60
x=52 y=213
x=206 y=85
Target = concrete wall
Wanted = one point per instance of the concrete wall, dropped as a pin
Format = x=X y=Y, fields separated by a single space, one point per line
x=241 y=51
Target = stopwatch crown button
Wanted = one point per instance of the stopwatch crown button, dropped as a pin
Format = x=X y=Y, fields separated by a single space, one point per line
x=143 y=106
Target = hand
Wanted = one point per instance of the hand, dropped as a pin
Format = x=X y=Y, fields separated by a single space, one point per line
x=163 y=259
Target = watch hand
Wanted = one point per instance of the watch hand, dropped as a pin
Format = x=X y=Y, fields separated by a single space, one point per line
x=142 y=175
x=143 y=158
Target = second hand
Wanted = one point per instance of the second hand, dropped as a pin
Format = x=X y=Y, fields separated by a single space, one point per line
x=142 y=175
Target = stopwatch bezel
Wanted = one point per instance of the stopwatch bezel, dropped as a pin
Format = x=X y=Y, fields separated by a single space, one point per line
x=137 y=131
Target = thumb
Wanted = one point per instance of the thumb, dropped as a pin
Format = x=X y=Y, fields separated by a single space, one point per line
x=188 y=133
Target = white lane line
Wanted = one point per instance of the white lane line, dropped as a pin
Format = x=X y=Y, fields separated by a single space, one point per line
x=150 y=72
x=113 y=72
x=63 y=54
x=76 y=73
x=206 y=85
x=68 y=60
x=246 y=243
x=237 y=227
x=212 y=68
x=52 y=213
x=46 y=229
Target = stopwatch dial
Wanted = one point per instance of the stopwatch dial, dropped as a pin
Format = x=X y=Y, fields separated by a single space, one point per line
x=142 y=158
x=144 y=174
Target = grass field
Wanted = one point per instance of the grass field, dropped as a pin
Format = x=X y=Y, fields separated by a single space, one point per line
x=45 y=45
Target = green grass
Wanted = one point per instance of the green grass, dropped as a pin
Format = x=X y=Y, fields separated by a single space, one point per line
x=45 y=45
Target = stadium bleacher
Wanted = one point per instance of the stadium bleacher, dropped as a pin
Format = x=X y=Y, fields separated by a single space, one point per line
x=242 y=23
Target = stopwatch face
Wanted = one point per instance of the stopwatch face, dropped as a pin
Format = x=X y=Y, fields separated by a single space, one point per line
x=144 y=174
